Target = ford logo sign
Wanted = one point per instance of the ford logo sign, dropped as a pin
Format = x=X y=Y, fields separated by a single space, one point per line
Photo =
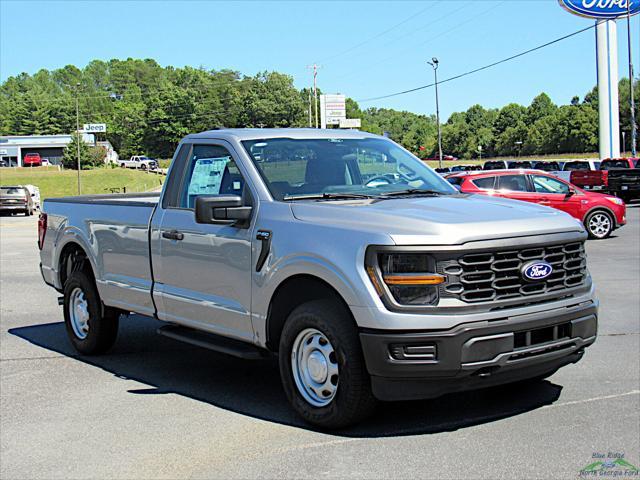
x=601 y=9
x=536 y=270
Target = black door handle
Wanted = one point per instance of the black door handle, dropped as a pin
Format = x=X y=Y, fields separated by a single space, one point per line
x=173 y=235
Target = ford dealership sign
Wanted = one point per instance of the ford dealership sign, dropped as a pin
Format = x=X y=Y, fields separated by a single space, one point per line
x=601 y=9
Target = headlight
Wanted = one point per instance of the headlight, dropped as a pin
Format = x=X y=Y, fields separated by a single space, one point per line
x=404 y=278
x=615 y=200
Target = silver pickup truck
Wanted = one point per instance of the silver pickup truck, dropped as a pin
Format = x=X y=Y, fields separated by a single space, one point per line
x=367 y=274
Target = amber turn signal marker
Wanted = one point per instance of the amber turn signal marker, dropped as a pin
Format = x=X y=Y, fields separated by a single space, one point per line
x=413 y=279
x=374 y=280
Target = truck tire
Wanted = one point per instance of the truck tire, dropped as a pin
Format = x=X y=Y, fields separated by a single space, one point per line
x=91 y=327
x=322 y=367
x=599 y=224
x=122 y=165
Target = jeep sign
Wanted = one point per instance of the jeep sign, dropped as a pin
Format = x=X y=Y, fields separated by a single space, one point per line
x=94 y=128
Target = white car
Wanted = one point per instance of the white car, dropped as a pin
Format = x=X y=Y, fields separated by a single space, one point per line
x=35 y=194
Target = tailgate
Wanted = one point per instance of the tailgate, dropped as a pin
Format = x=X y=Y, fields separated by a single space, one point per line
x=624 y=179
x=589 y=179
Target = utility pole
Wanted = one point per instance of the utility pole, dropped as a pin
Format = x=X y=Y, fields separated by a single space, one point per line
x=78 y=139
x=315 y=68
x=310 y=123
x=632 y=104
x=434 y=63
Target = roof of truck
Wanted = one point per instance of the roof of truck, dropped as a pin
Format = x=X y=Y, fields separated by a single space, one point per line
x=299 y=133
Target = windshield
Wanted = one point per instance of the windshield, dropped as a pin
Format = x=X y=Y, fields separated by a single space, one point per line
x=607 y=164
x=298 y=168
x=577 y=166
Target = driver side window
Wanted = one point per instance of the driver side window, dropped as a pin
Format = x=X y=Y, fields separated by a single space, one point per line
x=544 y=184
x=211 y=170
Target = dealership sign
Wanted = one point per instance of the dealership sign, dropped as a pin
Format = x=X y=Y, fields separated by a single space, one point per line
x=333 y=109
x=601 y=9
x=94 y=128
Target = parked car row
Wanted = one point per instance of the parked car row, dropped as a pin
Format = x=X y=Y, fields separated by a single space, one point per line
x=617 y=176
x=601 y=214
x=29 y=160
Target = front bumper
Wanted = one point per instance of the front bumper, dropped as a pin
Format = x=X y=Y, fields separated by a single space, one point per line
x=475 y=355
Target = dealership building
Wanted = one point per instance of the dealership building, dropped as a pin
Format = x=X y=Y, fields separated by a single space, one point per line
x=51 y=147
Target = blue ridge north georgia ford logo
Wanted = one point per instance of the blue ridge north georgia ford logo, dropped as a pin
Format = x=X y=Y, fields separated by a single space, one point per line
x=536 y=270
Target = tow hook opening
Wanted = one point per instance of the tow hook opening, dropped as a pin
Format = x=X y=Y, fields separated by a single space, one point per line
x=485 y=372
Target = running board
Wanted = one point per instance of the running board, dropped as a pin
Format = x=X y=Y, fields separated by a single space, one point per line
x=214 y=342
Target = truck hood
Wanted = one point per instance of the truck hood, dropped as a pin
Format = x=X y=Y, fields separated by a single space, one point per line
x=443 y=220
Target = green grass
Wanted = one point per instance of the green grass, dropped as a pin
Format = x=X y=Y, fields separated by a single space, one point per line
x=54 y=183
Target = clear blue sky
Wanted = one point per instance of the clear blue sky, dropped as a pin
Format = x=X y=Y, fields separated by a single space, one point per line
x=287 y=36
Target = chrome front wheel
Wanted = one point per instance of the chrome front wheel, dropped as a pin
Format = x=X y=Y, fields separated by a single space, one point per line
x=599 y=225
x=315 y=367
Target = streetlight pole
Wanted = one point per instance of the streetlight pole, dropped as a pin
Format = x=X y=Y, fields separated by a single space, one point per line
x=78 y=140
x=434 y=63
x=632 y=105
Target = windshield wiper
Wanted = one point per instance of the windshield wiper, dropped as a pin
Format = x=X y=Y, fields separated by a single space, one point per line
x=412 y=191
x=328 y=196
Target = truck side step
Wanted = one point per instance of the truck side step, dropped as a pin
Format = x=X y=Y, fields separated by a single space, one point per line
x=213 y=342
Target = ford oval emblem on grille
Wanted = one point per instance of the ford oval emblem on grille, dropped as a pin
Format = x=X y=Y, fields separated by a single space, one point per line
x=536 y=270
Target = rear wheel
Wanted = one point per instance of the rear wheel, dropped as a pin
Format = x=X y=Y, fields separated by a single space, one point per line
x=123 y=165
x=599 y=224
x=92 y=328
x=322 y=367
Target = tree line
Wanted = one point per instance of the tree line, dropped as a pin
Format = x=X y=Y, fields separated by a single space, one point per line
x=149 y=108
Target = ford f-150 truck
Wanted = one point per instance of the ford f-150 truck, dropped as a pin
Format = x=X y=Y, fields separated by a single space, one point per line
x=366 y=273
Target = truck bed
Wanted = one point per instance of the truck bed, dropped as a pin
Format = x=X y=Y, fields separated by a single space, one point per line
x=114 y=230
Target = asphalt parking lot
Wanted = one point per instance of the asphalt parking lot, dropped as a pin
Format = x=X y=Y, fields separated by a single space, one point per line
x=155 y=408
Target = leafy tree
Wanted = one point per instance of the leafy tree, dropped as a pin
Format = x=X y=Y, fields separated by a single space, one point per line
x=70 y=154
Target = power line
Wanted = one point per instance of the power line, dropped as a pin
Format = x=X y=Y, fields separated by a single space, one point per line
x=378 y=35
x=413 y=47
x=504 y=60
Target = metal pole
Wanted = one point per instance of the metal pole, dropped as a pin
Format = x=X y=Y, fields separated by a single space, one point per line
x=310 y=123
x=434 y=63
x=624 y=144
x=78 y=136
x=315 y=92
x=632 y=104
x=435 y=71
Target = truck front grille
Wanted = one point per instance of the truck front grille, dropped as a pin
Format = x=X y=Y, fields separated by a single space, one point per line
x=496 y=275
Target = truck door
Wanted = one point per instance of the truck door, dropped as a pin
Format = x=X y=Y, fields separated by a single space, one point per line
x=203 y=272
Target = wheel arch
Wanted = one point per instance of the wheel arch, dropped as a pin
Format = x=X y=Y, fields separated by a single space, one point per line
x=292 y=292
x=73 y=256
x=604 y=209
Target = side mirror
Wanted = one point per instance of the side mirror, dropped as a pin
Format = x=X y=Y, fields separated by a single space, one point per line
x=571 y=192
x=222 y=209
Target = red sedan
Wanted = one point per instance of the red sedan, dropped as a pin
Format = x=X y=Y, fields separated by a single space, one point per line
x=601 y=214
